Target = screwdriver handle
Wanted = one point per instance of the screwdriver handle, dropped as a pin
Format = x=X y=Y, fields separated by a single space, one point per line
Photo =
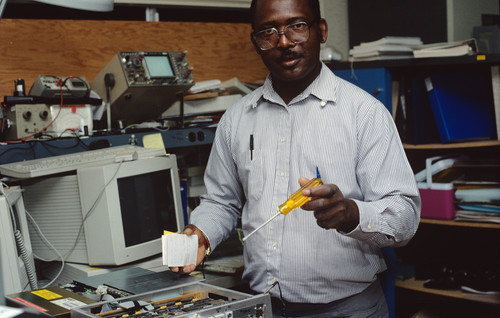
x=297 y=199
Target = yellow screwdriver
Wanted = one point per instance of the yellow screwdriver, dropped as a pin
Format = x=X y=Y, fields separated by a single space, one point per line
x=296 y=200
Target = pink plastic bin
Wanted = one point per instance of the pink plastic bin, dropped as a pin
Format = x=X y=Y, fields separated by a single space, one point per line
x=438 y=204
x=437 y=198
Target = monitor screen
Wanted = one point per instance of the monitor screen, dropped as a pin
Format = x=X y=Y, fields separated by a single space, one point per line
x=147 y=206
x=159 y=66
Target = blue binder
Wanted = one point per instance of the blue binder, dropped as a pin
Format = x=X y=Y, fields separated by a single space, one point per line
x=421 y=126
x=462 y=105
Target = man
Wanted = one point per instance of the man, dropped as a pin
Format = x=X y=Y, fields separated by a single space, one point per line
x=321 y=260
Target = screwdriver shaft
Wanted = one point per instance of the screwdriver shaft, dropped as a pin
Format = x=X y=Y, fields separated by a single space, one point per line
x=261 y=226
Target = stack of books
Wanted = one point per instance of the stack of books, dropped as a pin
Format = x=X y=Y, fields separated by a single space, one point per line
x=386 y=48
x=477 y=195
x=478 y=202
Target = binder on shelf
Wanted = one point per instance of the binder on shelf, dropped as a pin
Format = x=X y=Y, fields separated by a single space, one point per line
x=420 y=123
x=462 y=105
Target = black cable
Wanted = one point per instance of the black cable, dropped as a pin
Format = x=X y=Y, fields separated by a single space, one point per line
x=63 y=83
x=46 y=145
x=32 y=147
x=80 y=141
x=283 y=303
x=13 y=149
x=43 y=136
x=203 y=266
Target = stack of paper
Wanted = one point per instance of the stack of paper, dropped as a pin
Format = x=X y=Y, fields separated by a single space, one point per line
x=446 y=49
x=208 y=98
x=389 y=47
x=232 y=86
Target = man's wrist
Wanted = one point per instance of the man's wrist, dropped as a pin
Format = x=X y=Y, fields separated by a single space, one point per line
x=202 y=239
x=352 y=220
x=207 y=244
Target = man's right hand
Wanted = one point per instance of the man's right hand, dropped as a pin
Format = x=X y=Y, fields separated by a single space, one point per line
x=203 y=244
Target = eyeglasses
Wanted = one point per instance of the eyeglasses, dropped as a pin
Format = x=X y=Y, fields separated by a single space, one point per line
x=295 y=32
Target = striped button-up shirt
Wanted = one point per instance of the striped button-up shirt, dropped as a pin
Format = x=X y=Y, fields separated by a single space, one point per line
x=351 y=137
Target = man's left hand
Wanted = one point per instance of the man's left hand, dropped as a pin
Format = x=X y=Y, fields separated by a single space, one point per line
x=331 y=209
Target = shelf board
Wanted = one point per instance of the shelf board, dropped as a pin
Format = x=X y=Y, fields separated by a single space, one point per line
x=418 y=285
x=460 y=223
x=415 y=63
x=472 y=144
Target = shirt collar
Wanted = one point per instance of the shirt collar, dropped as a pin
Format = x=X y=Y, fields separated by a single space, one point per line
x=324 y=88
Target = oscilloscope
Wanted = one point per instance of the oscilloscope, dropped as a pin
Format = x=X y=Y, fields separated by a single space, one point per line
x=144 y=84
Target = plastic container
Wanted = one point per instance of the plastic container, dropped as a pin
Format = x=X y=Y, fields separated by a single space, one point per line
x=437 y=198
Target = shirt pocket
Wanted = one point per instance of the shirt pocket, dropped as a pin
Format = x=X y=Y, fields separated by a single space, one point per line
x=252 y=174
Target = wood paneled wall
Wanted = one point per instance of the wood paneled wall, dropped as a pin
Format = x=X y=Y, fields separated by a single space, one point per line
x=29 y=48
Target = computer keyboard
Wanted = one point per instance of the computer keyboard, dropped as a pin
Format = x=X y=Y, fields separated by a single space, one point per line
x=64 y=163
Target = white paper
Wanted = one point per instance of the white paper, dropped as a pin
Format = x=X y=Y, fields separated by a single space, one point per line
x=9 y=312
x=68 y=303
x=97 y=111
x=179 y=249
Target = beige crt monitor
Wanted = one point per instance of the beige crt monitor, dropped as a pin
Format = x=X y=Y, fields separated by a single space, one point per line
x=145 y=83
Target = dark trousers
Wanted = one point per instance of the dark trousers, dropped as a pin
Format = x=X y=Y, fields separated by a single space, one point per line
x=369 y=303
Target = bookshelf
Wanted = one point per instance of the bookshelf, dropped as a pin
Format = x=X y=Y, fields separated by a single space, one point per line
x=418 y=286
x=472 y=144
x=435 y=239
x=451 y=245
x=412 y=63
x=460 y=223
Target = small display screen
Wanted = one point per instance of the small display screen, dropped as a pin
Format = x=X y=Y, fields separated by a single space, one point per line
x=159 y=66
x=147 y=206
x=77 y=84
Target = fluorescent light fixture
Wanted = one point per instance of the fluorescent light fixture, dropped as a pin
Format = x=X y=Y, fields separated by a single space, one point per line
x=191 y=3
x=90 y=5
x=2 y=6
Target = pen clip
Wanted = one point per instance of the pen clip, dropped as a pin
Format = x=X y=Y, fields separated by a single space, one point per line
x=251 y=147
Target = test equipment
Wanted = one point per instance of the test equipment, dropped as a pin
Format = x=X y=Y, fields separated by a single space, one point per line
x=140 y=86
x=23 y=120
x=53 y=106
x=54 y=86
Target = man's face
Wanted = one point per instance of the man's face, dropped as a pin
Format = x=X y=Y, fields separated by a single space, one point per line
x=289 y=61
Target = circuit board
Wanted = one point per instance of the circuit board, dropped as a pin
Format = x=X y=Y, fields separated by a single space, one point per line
x=197 y=300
